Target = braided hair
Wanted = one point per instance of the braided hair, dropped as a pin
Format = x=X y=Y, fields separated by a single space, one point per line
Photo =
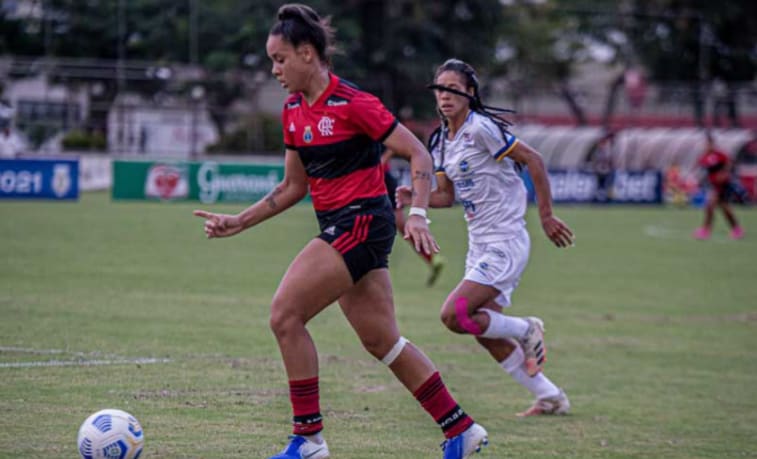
x=474 y=102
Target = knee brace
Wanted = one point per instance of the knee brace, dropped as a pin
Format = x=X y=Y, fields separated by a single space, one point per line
x=394 y=352
x=465 y=322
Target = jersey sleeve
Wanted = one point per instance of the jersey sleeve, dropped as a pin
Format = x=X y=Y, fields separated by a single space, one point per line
x=371 y=117
x=497 y=142
x=288 y=134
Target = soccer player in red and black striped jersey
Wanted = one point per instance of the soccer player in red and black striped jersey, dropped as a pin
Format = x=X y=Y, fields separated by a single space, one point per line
x=332 y=132
x=718 y=167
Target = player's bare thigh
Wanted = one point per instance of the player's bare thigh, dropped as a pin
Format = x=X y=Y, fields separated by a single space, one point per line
x=316 y=278
x=369 y=307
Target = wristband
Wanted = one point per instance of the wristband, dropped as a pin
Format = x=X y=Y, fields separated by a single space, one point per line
x=419 y=211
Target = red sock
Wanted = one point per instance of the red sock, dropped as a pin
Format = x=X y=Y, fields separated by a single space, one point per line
x=307 y=419
x=436 y=400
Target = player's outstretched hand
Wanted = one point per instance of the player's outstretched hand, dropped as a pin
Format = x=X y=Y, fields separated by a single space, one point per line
x=219 y=225
x=403 y=196
x=557 y=231
x=417 y=232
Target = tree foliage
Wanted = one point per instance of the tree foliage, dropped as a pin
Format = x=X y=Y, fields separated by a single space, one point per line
x=392 y=47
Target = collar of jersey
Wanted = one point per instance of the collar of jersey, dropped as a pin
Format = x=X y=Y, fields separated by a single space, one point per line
x=467 y=120
x=333 y=82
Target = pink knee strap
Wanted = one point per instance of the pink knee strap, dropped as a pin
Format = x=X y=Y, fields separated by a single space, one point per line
x=466 y=323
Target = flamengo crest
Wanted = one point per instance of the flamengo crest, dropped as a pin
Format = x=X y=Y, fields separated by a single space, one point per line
x=326 y=126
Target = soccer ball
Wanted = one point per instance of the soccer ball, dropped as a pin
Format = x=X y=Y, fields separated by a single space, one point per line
x=110 y=434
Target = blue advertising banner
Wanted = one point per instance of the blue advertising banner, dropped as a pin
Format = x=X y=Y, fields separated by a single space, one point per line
x=39 y=179
x=619 y=187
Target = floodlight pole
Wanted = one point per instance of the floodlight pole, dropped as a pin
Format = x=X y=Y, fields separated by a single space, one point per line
x=120 y=77
x=193 y=44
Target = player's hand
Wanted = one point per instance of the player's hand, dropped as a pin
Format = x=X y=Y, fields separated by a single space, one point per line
x=417 y=232
x=403 y=196
x=219 y=225
x=557 y=231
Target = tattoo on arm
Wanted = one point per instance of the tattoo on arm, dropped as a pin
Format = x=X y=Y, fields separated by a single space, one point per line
x=422 y=175
x=270 y=198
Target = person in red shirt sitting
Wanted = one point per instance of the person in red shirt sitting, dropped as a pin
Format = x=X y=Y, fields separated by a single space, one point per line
x=722 y=191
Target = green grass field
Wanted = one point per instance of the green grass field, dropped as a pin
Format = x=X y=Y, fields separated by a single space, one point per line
x=652 y=335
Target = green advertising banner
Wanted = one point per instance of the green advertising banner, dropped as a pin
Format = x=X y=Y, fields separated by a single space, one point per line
x=206 y=181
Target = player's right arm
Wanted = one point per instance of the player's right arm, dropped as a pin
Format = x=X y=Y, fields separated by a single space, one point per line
x=291 y=190
x=441 y=196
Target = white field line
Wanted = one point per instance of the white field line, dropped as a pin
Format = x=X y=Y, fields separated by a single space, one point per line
x=81 y=360
x=667 y=232
x=83 y=363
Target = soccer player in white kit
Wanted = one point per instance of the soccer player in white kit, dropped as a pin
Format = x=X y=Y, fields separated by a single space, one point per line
x=477 y=157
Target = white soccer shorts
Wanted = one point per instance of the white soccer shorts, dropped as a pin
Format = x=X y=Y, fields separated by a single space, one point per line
x=499 y=264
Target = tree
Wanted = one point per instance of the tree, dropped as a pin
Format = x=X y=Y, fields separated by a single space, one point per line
x=687 y=43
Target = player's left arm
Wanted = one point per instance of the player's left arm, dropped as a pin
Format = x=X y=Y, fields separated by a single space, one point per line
x=405 y=144
x=555 y=229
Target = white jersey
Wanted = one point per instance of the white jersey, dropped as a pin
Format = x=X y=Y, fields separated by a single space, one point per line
x=485 y=179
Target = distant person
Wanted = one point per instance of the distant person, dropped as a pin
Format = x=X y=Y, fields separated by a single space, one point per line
x=332 y=134
x=10 y=146
x=722 y=191
x=434 y=261
x=479 y=160
x=602 y=164
x=677 y=186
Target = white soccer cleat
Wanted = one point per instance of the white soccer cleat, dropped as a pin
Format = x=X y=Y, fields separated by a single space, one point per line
x=300 y=447
x=558 y=404
x=466 y=444
x=533 y=346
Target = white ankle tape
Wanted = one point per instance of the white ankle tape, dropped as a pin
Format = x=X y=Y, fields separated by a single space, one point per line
x=395 y=352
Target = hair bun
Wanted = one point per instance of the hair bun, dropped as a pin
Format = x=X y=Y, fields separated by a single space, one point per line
x=297 y=12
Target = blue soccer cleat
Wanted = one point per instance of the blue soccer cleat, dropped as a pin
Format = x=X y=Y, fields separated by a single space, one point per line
x=300 y=447
x=465 y=444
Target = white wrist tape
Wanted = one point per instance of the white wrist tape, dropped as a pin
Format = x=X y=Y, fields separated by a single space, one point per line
x=395 y=351
x=418 y=211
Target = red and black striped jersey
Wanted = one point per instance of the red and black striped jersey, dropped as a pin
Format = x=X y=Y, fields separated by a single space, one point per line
x=716 y=163
x=339 y=140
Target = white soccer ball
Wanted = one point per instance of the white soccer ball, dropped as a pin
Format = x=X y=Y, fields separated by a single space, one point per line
x=110 y=434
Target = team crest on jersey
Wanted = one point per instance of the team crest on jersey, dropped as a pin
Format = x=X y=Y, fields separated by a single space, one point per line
x=307 y=136
x=463 y=166
x=326 y=126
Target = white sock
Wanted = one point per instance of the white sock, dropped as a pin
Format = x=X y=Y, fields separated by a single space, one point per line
x=539 y=385
x=502 y=326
